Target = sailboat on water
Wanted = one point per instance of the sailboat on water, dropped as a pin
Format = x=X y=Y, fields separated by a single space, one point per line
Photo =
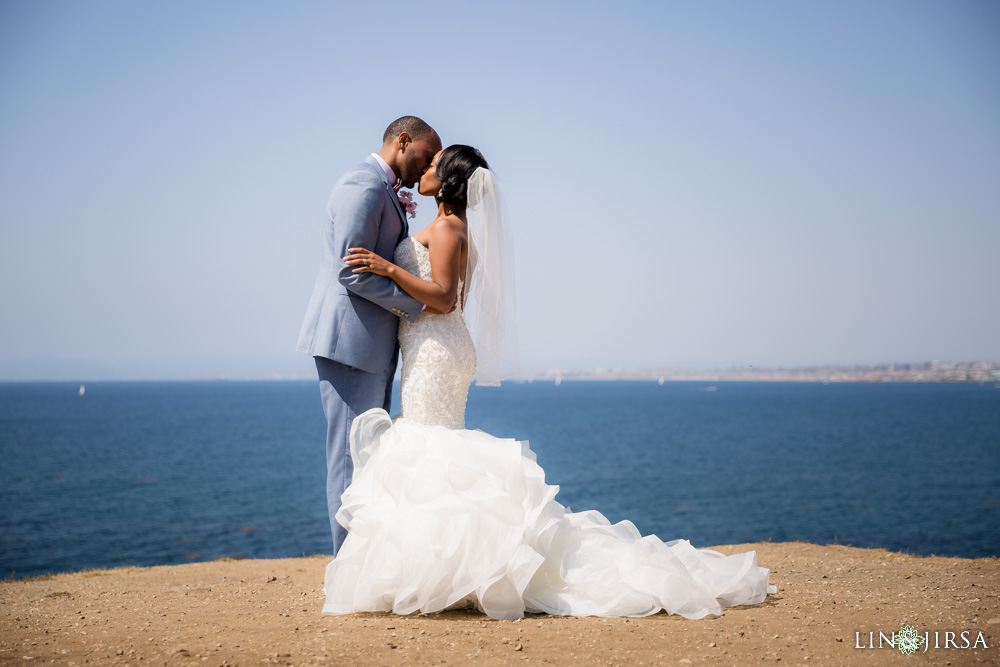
x=83 y=390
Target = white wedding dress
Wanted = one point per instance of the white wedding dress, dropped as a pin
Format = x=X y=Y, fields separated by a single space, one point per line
x=439 y=516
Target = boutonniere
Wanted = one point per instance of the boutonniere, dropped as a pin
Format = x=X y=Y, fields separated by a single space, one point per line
x=406 y=201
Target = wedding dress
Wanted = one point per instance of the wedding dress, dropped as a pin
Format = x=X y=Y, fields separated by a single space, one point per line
x=441 y=517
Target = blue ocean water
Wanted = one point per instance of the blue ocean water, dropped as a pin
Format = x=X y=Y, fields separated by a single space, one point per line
x=174 y=472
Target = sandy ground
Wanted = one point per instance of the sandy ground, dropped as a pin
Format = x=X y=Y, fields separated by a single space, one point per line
x=252 y=612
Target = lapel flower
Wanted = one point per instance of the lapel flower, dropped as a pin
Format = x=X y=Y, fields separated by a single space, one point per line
x=406 y=201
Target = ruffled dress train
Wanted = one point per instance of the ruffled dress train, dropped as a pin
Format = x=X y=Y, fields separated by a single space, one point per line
x=441 y=518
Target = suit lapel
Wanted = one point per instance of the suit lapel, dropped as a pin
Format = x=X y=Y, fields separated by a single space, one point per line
x=392 y=195
x=399 y=209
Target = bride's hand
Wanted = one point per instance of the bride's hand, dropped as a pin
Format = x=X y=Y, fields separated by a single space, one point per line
x=367 y=262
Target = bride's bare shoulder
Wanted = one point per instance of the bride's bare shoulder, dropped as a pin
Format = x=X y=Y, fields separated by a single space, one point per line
x=448 y=226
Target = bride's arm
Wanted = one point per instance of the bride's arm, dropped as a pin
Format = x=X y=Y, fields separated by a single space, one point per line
x=439 y=293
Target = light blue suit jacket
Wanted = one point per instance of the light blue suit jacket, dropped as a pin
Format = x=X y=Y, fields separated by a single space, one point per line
x=353 y=318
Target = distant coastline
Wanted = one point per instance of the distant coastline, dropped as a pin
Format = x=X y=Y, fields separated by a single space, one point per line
x=974 y=372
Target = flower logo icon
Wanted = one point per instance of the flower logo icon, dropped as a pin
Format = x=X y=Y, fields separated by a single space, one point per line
x=907 y=640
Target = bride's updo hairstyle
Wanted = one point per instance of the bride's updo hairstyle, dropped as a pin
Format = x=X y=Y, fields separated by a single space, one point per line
x=454 y=167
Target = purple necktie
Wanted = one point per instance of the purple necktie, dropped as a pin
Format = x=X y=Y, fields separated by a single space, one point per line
x=399 y=183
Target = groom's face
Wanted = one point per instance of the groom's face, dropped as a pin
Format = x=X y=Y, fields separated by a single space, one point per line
x=416 y=157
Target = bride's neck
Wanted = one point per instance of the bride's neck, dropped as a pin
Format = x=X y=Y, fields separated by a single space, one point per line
x=450 y=209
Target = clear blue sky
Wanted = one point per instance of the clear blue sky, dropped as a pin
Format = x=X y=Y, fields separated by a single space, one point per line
x=690 y=184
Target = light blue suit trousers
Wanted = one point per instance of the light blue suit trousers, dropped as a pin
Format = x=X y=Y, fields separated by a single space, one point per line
x=352 y=318
x=346 y=392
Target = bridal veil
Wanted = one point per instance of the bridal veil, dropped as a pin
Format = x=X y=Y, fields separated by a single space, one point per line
x=490 y=306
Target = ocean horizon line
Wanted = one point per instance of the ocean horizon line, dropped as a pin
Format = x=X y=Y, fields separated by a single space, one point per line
x=981 y=371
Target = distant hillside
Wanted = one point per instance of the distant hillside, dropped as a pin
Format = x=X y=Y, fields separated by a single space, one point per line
x=928 y=371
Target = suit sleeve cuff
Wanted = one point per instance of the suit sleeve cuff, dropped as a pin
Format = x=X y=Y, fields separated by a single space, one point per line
x=407 y=315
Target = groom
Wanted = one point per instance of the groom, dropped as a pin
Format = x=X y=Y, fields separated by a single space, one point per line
x=352 y=319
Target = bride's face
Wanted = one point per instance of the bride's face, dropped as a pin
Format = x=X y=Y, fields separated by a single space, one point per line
x=429 y=183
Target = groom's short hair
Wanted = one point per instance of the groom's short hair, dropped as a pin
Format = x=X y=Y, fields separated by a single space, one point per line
x=412 y=125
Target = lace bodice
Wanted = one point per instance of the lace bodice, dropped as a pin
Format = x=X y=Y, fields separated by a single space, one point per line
x=439 y=358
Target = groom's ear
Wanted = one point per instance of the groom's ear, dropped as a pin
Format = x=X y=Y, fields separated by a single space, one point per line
x=403 y=140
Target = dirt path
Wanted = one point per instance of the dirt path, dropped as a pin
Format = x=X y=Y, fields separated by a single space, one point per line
x=253 y=612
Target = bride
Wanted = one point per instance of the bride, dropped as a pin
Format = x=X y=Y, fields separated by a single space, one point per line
x=439 y=516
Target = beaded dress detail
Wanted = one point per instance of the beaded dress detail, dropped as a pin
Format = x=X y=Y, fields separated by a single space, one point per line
x=439 y=358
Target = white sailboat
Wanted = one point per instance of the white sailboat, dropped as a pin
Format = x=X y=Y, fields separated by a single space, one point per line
x=83 y=390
